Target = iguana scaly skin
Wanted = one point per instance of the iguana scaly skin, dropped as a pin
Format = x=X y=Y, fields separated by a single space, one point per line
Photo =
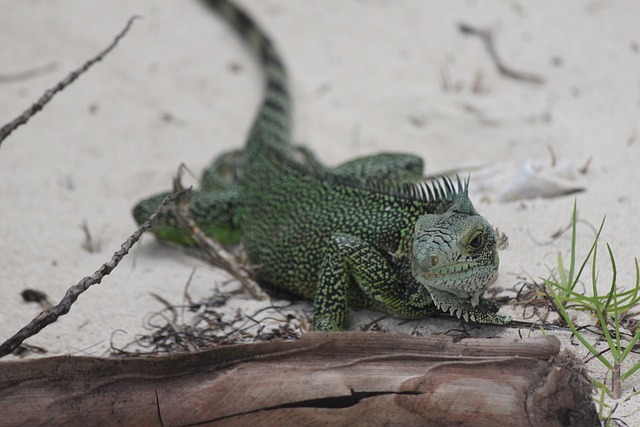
x=369 y=233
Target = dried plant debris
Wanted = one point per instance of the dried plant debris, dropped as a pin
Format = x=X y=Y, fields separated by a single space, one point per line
x=533 y=299
x=216 y=253
x=27 y=350
x=502 y=240
x=90 y=243
x=195 y=326
x=23 y=118
x=53 y=313
x=487 y=38
x=39 y=297
x=28 y=73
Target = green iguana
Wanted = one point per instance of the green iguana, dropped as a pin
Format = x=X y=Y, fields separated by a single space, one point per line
x=369 y=233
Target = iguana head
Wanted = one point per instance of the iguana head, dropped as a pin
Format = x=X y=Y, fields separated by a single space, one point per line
x=455 y=257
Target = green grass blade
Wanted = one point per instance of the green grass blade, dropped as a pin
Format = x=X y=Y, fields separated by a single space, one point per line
x=630 y=346
x=578 y=335
x=600 y=313
x=631 y=371
x=562 y=272
x=635 y=288
x=613 y=295
x=628 y=295
x=612 y=290
x=593 y=247
x=594 y=280
x=572 y=263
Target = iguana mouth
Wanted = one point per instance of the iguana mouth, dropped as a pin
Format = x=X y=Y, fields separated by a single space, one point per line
x=463 y=280
x=458 y=303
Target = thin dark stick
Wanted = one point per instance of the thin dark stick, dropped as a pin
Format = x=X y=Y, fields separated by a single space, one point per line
x=487 y=37
x=28 y=74
x=214 y=251
x=50 y=316
x=23 y=118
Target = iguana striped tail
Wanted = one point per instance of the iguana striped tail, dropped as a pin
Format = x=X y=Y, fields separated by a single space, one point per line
x=272 y=124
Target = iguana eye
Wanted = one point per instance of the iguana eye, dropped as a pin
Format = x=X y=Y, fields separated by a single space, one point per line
x=476 y=241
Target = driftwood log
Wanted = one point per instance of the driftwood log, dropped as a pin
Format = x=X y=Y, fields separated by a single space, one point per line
x=350 y=378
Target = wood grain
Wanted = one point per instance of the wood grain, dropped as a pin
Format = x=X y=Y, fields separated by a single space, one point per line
x=350 y=378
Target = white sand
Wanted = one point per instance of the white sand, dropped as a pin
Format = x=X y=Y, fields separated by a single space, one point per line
x=366 y=78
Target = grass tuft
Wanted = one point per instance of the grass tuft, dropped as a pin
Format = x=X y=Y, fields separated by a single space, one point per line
x=609 y=310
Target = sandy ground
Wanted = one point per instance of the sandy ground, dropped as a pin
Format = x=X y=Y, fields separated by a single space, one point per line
x=367 y=77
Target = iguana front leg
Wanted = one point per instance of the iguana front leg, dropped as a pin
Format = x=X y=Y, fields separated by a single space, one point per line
x=353 y=270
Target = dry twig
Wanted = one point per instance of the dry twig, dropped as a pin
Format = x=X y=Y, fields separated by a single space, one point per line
x=215 y=252
x=28 y=74
x=487 y=37
x=50 y=316
x=23 y=118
